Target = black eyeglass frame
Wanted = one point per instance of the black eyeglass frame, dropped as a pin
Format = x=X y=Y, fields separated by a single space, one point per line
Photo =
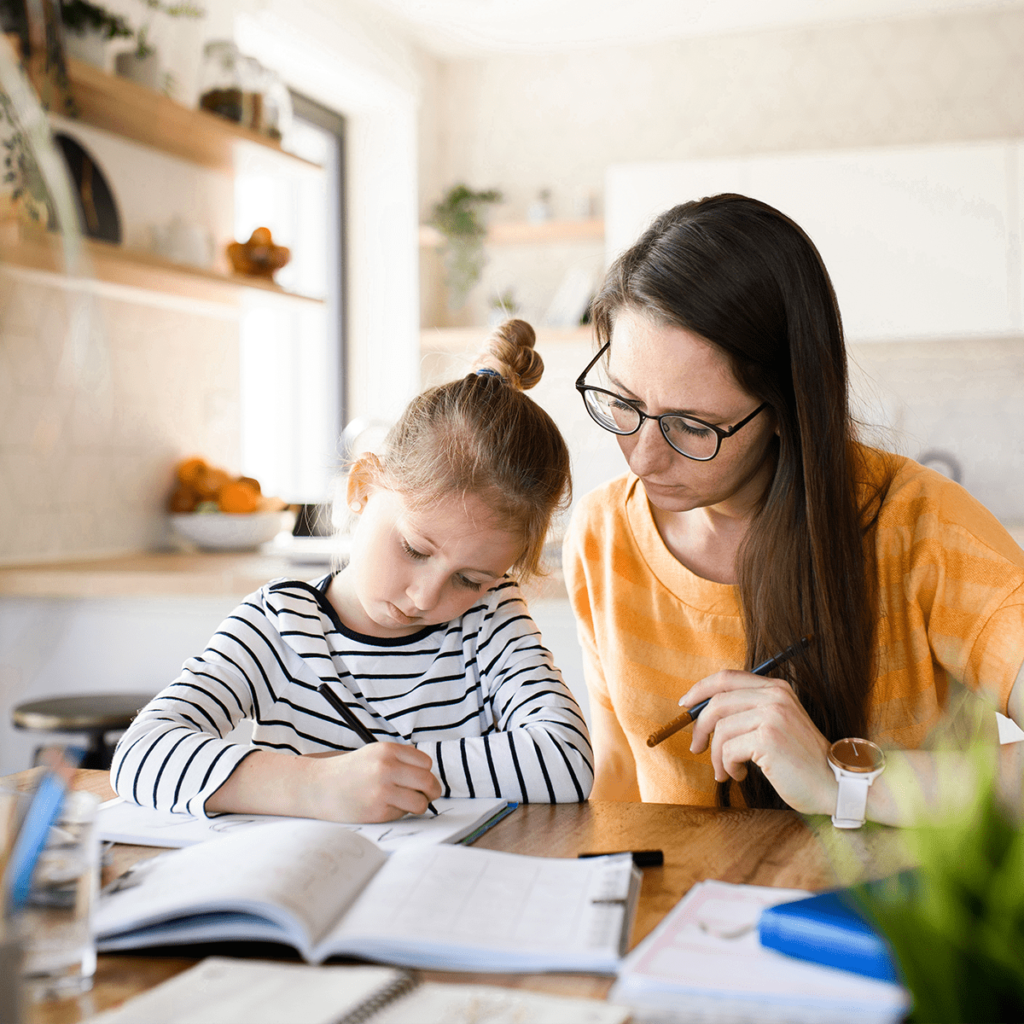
x=719 y=433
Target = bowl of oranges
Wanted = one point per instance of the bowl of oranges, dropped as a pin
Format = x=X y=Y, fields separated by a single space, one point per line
x=216 y=511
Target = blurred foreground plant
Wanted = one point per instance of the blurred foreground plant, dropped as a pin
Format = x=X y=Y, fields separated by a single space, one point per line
x=956 y=923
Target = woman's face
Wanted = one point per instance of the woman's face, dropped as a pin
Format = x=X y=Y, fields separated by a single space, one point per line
x=668 y=369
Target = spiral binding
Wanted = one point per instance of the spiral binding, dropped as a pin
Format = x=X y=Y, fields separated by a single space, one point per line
x=369 y=1009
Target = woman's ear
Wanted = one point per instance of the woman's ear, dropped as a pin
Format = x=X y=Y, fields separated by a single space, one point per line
x=363 y=478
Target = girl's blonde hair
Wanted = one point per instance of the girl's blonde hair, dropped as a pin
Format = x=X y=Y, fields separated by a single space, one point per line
x=482 y=435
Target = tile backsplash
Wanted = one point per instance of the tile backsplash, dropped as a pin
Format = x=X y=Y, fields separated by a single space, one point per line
x=101 y=391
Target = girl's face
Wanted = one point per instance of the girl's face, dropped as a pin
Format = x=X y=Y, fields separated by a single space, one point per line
x=412 y=568
x=669 y=369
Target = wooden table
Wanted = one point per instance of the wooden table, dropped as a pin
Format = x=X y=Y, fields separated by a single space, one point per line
x=757 y=847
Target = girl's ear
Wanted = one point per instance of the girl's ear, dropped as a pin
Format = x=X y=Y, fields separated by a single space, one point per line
x=363 y=478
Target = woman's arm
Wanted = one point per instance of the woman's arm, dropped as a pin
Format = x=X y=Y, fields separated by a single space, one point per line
x=751 y=718
x=615 y=772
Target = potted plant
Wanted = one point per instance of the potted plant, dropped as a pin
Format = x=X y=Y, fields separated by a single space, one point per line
x=88 y=28
x=142 y=63
x=458 y=217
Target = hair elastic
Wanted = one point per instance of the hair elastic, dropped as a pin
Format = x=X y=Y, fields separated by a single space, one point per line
x=487 y=371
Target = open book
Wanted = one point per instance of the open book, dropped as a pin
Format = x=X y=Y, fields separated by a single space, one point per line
x=457 y=821
x=327 y=891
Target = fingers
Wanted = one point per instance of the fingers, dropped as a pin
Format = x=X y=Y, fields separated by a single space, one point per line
x=739 y=698
x=378 y=782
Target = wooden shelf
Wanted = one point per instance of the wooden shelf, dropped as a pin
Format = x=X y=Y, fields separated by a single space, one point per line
x=134 y=112
x=114 y=264
x=526 y=233
x=459 y=339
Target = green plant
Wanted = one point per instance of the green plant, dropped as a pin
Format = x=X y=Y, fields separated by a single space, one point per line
x=143 y=47
x=21 y=173
x=457 y=217
x=79 y=16
x=957 y=926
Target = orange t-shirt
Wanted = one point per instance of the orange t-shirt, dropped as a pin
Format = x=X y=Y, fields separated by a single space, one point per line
x=951 y=607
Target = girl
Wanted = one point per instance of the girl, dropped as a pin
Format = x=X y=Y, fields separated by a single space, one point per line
x=751 y=518
x=424 y=636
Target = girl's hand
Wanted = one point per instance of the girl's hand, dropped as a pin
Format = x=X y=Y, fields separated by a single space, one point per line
x=759 y=719
x=378 y=782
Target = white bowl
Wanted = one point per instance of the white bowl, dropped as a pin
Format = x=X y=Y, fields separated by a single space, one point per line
x=228 y=531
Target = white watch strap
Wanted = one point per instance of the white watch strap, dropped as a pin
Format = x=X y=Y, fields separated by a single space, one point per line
x=852 y=801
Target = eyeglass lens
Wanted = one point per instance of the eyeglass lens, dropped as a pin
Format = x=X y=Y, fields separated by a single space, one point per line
x=688 y=437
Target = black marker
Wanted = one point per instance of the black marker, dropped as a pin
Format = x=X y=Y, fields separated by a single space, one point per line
x=641 y=858
x=350 y=719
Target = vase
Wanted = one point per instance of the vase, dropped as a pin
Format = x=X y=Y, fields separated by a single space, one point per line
x=89 y=46
x=142 y=70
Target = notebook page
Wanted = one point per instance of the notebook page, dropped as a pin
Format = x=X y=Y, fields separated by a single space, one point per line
x=458 y=906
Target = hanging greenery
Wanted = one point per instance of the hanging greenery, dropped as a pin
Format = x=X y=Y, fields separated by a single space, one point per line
x=458 y=217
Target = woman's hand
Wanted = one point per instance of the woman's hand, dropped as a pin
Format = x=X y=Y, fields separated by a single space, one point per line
x=378 y=782
x=759 y=719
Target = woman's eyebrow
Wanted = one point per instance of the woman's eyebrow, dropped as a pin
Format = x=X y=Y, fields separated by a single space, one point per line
x=698 y=414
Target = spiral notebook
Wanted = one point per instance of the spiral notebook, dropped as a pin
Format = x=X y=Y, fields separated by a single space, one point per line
x=221 y=990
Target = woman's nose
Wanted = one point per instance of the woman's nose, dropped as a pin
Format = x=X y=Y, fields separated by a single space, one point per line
x=647 y=450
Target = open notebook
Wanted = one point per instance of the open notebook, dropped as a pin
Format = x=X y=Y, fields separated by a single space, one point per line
x=219 y=990
x=457 y=821
x=705 y=956
x=326 y=891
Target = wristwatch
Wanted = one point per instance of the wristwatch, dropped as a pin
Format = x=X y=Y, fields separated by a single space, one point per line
x=856 y=764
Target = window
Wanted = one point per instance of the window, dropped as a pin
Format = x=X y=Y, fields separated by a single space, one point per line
x=293 y=352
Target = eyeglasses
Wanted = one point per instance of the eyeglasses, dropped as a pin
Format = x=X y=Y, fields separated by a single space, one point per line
x=689 y=436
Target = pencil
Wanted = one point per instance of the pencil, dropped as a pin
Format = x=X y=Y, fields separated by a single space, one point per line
x=350 y=719
x=690 y=714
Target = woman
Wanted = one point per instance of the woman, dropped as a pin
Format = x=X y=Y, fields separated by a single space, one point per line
x=753 y=519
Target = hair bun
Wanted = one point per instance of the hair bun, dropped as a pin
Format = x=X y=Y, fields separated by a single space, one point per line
x=509 y=350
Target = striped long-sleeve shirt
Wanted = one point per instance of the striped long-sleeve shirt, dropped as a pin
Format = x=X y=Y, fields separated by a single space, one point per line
x=480 y=695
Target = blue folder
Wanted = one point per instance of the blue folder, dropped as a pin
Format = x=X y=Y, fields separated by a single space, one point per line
x=828 y=929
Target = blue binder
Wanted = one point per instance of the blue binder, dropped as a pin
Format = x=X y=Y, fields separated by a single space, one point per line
x=828 y=929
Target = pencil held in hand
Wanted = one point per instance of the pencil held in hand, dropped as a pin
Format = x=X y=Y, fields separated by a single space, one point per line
x=689 y=714
x=357 y=727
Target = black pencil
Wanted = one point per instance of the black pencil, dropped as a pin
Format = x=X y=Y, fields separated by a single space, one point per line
x=350 y=719
x=691 y=713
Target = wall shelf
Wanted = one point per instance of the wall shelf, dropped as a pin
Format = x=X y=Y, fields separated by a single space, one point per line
x=525 y=232
x=134 y=112
x=461 y=339
x=113 y=264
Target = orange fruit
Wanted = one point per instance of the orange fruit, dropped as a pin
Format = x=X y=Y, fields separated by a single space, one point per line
x=238 y=496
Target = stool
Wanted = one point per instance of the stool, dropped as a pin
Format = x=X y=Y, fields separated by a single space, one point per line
x=91 y=714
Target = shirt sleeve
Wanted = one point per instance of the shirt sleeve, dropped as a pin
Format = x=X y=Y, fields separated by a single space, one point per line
x=175 y=755
x=537 y=749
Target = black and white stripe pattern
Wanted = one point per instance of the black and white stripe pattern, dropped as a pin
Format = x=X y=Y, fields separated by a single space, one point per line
x=479 y=694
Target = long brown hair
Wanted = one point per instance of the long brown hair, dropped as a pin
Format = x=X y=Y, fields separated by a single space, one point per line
x=482 y=435
x=745 y=277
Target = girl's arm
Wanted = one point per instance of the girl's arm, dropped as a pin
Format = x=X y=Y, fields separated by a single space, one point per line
x=538 y=750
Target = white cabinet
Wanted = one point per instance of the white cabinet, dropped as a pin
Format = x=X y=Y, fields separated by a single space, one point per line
x=921 y=241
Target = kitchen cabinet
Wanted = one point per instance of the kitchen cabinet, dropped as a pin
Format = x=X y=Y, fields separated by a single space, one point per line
x=134 y=113
x=922 y=242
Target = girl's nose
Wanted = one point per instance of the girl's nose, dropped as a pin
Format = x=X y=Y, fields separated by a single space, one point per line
x=425 y=591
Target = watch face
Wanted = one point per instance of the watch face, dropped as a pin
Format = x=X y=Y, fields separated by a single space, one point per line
x=857 y=755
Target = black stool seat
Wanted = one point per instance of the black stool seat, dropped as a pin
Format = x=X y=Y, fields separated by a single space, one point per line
x=94 y=714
